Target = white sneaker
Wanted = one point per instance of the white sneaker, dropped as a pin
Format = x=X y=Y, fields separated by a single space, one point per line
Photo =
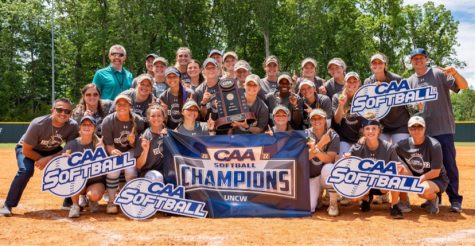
x=93 y=207
x=82 y=201
x=112 y=208
x=344 y=201
x=326 y=199
x=74 y=212
x=105 y=197
x=333 y=209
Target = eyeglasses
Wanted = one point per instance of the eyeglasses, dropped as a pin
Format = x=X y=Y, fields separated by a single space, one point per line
x=117 y=54
x=62 y=110
x=91 y=94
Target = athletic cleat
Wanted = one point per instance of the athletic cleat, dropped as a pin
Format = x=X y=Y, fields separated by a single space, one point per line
x=112 y=208
x=333 y=209
x=326 y=199
x=425 y=204
x=6 y=211
x=456 y=207
x=74 y=212
x=105 y=197
x=82 y=201
x=433 y=207
x=396 y=213
x=93 y=207
x=404 y=206
x=67 y=203
x=365 y=206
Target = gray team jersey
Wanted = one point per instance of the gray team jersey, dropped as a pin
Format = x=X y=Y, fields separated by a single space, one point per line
x=396 y=120
x=201 y=129
x=332 y=88
x=138 y=108
x=211 y=105
x=159 y=88
x=422 y=158
x=350 y=126
x=321 y=101
x=385 y=151
x=273 y=99
x=155 y=152
x=260 y=110
x=334 y=146
x=438 y=114
x=78 y=113
x=174 y=107
x=116 y=132
x=76 y=146
x=43 y=136
x=267 y=86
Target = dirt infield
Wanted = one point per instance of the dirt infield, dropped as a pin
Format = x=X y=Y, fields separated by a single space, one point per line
x=38 y=220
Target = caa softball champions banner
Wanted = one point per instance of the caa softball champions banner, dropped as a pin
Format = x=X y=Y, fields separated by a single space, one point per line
x=242 y=175
x=379 y=99
x=66 y=176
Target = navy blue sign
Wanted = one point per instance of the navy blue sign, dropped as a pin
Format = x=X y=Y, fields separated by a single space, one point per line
x=242 y=175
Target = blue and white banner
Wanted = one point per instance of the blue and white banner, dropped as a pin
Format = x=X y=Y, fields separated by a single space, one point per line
x=242 y=175
x=66 y=176
x=142 y=198
x=353 y=177
x=377 y=100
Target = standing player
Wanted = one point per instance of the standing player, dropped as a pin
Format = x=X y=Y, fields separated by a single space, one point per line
x=114 y=78
x=40 y=144
x=269 y=83
x=183 y=57
x=230 y=58
x=423 y=156
x=309 y=72
x=242 y=70
x=205 y=94
x=439 y=115
x=160 y=64
x=313 y=100
x=337 y=69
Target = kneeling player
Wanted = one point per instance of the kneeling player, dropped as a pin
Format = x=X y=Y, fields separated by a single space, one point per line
x=423 y=156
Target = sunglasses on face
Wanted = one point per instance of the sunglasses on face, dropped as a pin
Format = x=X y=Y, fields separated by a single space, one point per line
x=62 y=110
x=117 y=54
x=91 y=94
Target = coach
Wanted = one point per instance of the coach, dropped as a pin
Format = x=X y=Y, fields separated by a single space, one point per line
x=439 y=115
x=113 y=79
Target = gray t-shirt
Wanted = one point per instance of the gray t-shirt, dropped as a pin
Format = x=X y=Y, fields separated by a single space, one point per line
x=211 y=105
x=385 y=151
x=260 y=110
x=138 y=108
x=159 y=88
x=321 y=101
x=79 y=110
x=396 y=120
x=155 y=154
x=422 y=158
x=175 y=105
x=350 y=126
x=317 y=81
x=438 y=114
x=116 y=132
x=333 y=146
x=267 y=86
x=76 y=146
x=201 y=129
x=332 y=88
x=43 y=136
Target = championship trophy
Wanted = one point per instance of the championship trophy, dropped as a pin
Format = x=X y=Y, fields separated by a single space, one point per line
x=232 y=105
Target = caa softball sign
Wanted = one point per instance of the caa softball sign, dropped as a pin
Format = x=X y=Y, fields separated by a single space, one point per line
x=66 y=176
x=379 y=99
x=353 y=177
x=141 y=198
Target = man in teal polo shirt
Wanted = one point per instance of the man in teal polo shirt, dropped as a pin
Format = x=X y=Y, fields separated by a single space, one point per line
x=113 y=79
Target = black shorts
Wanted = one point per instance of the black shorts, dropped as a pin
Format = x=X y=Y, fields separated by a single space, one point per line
x=441 y=183
x=95 y=180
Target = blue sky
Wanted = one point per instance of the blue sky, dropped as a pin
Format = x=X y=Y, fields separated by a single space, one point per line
x=464 y=12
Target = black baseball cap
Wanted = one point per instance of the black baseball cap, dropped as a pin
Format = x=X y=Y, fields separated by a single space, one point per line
x=418 y=51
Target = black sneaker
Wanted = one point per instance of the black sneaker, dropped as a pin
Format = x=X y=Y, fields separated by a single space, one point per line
x=396 y=213
x=67 y=203
x=365 y=206
x=456 y=207
x=425 y=204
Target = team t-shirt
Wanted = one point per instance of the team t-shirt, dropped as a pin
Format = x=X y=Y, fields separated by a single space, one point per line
x=43 y=136
x=385 y=151
x=116 y=132
x=200 y=129
x=332 y=87
x=155 y=154
x=333 y=146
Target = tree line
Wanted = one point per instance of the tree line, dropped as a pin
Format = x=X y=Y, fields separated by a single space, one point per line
x=290 y=29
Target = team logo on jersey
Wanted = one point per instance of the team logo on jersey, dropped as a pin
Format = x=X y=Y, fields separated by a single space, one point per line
x=66 y=176
x=379 y=99
x=237 y=170
x=54 y=141
x=141 y=198
x=354 y=177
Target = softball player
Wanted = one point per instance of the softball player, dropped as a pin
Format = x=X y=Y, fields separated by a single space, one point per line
x=120 y=134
